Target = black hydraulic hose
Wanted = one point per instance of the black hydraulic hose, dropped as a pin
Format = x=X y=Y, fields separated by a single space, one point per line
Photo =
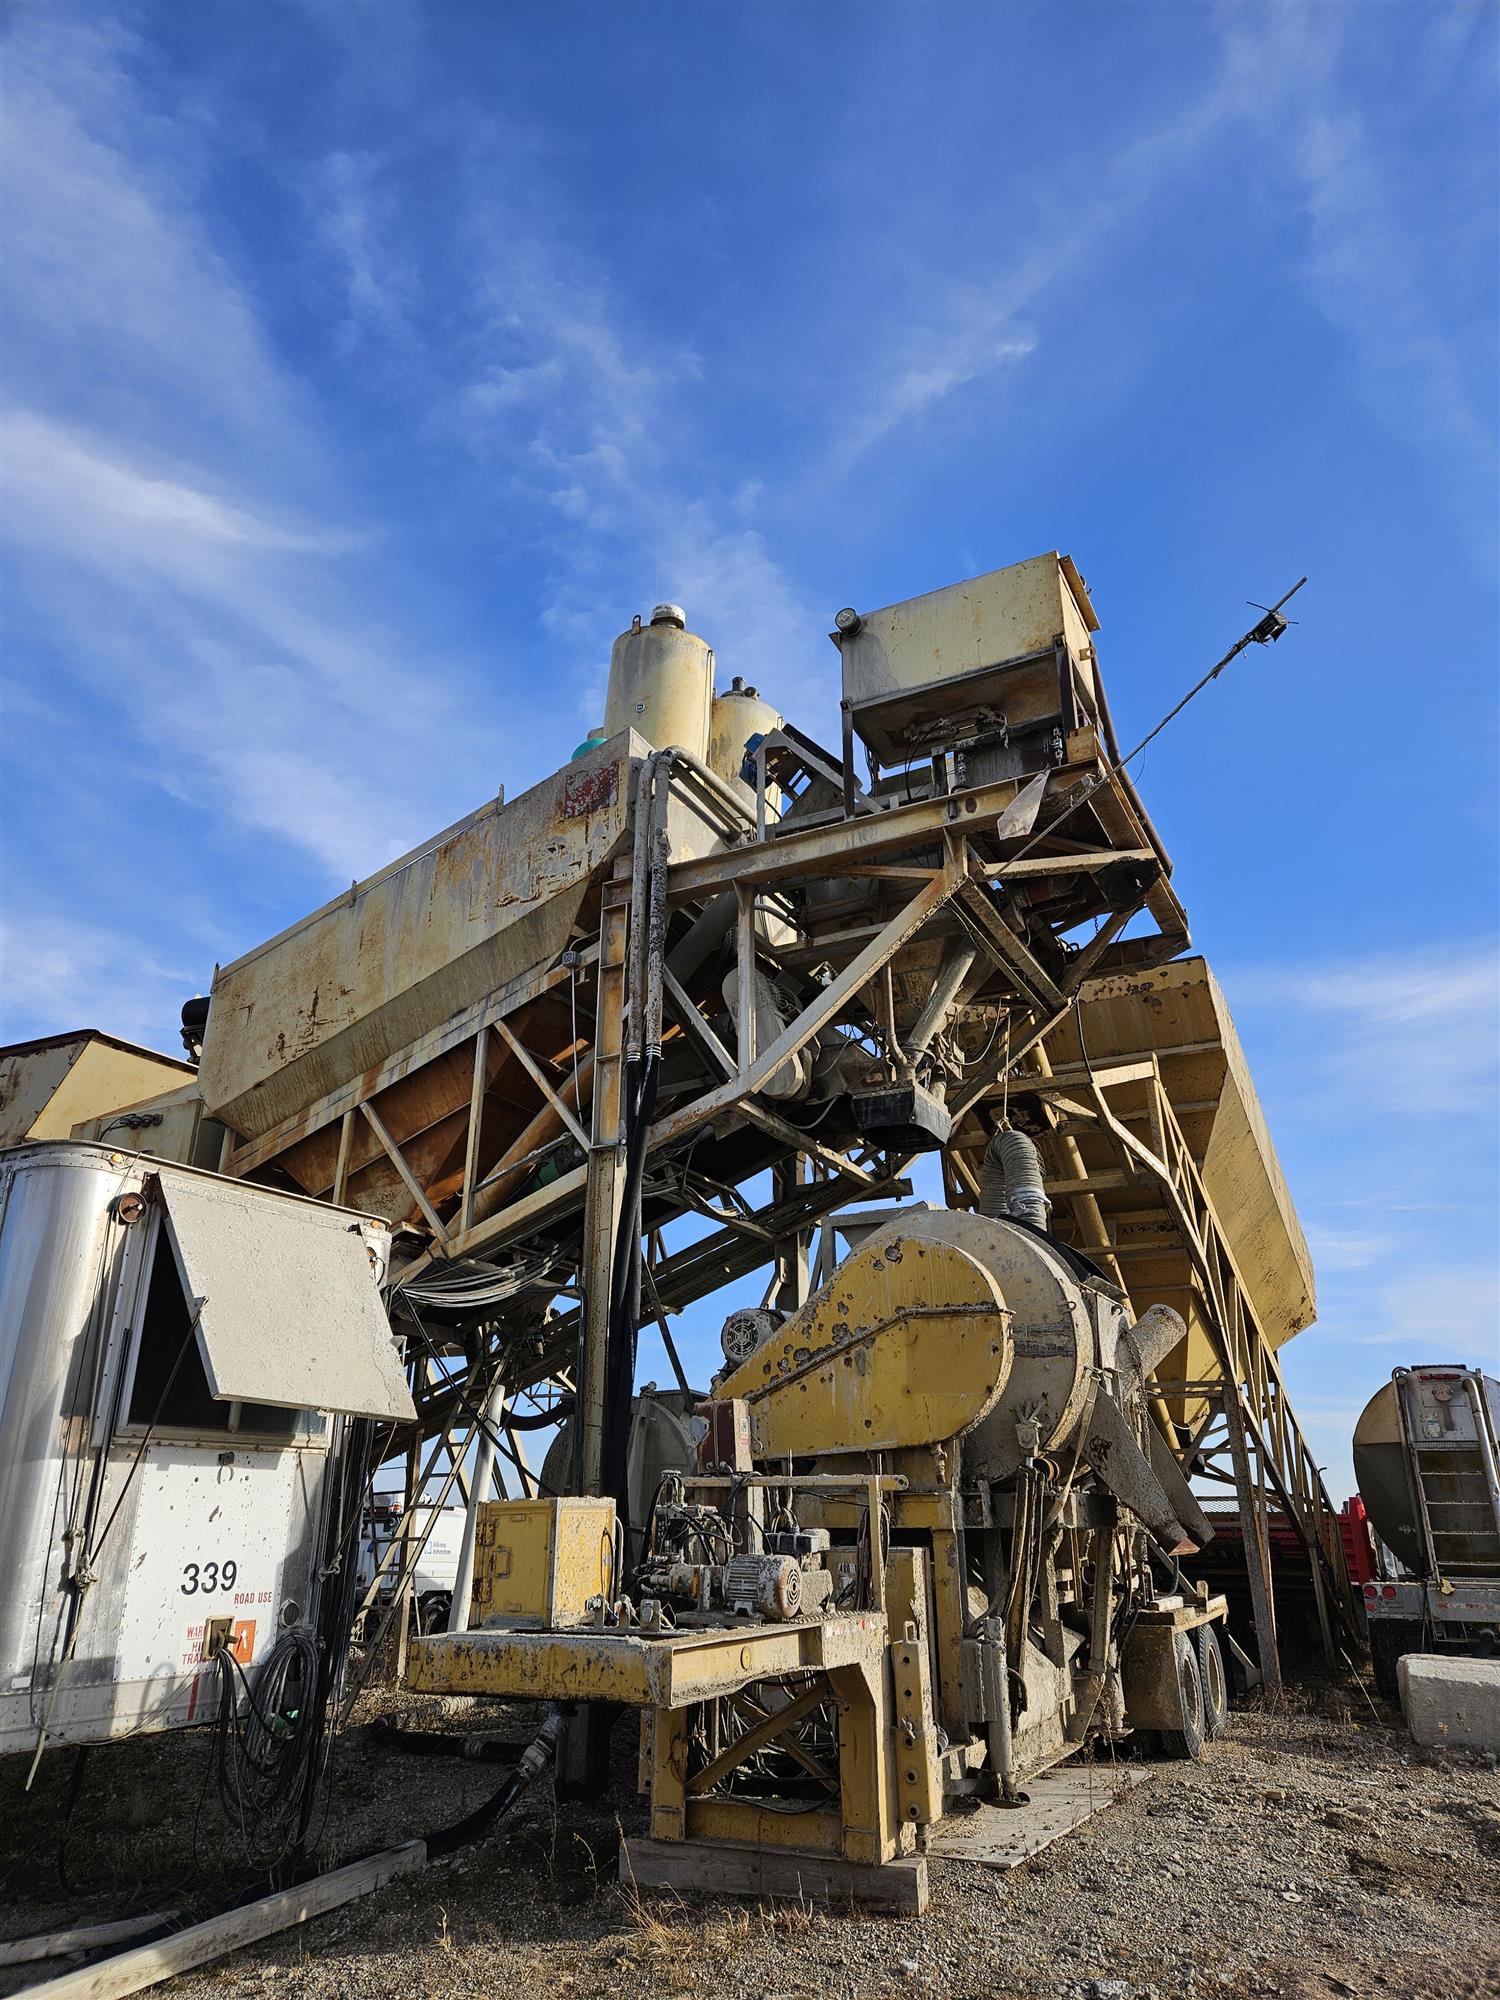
x=339 y=1574
x=618 y=1361
x=476 y=1749
x=642 y=1068
x=538 y=1420
x=442 y=1841
x=537 y=1755
x=624 y=1299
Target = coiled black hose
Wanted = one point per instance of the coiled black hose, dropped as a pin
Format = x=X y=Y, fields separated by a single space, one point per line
x=264 y=1759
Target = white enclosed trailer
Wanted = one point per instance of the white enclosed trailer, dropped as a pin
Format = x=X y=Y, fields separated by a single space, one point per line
x=179 y=1358
x=435 y=1535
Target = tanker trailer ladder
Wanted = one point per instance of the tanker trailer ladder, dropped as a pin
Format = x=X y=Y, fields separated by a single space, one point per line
x=1257 y=1410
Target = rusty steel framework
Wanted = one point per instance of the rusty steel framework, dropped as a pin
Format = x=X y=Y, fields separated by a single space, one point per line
x=826 y=939
x=1241 y=1430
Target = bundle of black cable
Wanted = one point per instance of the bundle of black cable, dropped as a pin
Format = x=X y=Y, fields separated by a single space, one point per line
x=263 y=1757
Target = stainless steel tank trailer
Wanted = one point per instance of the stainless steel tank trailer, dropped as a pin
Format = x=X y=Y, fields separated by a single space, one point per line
x=1425 y=1458
x=189 y=1365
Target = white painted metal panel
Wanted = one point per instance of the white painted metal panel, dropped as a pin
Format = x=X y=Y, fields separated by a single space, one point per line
x=204 y=1546
x=288 y=1310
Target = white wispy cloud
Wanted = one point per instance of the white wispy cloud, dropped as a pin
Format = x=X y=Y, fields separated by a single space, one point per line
x=251 y=683
x=1452 y=1309
x=944 y=332
x=764 y=625
x=74 y=974
x=117 y=306
x=571 y=403
x=175 y=521
x=1402 y=270
x=1414 y=1032
x=975 y=338
x=1379 y=1076
x=1404 y=276
x=1343 y=1249
x=590 y=417
x=57 y=477
x=355 y=225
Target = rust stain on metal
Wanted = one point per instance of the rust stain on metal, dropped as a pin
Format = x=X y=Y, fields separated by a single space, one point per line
x=589 y=791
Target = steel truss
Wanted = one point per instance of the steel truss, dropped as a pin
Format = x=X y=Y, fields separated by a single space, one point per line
x=507 y=1127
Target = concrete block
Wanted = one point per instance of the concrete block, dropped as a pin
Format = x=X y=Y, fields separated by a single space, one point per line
x=1451 y=1701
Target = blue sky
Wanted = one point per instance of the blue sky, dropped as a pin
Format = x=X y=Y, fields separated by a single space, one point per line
x=367 y=366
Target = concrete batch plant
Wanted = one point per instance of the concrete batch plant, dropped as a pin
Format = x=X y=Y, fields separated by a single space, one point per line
x=694 y=1007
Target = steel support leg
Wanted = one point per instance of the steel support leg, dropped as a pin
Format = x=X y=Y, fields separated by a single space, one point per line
x=605 y=1181
x=583 y=1748
x=793 y=1262
x=479 y=1493
x=1257 y=1550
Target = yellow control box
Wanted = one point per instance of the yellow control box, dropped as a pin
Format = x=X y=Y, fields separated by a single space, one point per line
x=538 y=1562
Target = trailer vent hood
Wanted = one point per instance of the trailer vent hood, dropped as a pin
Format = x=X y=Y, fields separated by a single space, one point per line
x=288 y=1307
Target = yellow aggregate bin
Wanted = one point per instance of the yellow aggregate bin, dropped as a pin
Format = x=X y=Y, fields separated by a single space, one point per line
x=538 y=1562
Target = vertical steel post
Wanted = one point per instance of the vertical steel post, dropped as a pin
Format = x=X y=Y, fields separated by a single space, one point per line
x=583 y=1747
x=793 y=1262
x=605 y=1180
x=1253 y=1534
x=405 y=1589
x=744 y=959
x=341 y=1168
x=479 y=1492
x=476 y=1116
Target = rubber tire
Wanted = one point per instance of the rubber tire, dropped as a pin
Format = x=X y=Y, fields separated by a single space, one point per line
x=1389 y=1639
x=433 y=1607
x=1215 y=1683
x=1187 y=1741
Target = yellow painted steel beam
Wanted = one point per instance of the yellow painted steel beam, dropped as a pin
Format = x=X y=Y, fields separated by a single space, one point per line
x=671 y=1671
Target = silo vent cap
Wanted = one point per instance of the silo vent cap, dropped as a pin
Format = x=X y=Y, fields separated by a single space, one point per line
x=670 y=614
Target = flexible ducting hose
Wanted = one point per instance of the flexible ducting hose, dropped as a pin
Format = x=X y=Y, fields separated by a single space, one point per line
x=1011 y=1180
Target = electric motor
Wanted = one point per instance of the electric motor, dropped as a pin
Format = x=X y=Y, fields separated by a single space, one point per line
x=771 y=1585
x=746 y=1330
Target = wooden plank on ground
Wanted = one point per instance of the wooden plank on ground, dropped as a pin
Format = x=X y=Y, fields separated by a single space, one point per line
x=718 y=1868
x=1005 y=1836
x=130 y=1971
x=85 y=1937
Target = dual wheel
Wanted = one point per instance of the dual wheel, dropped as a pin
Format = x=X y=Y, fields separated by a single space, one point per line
x=1205 y=1694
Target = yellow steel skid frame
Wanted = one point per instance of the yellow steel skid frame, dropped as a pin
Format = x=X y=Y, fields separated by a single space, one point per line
x=869 y=1667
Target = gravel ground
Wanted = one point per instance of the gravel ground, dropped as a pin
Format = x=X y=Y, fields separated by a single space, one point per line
x=1314 y=1853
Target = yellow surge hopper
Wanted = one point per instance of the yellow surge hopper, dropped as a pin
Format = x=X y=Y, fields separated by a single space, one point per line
x=1175 y=1017
x=381 y=991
